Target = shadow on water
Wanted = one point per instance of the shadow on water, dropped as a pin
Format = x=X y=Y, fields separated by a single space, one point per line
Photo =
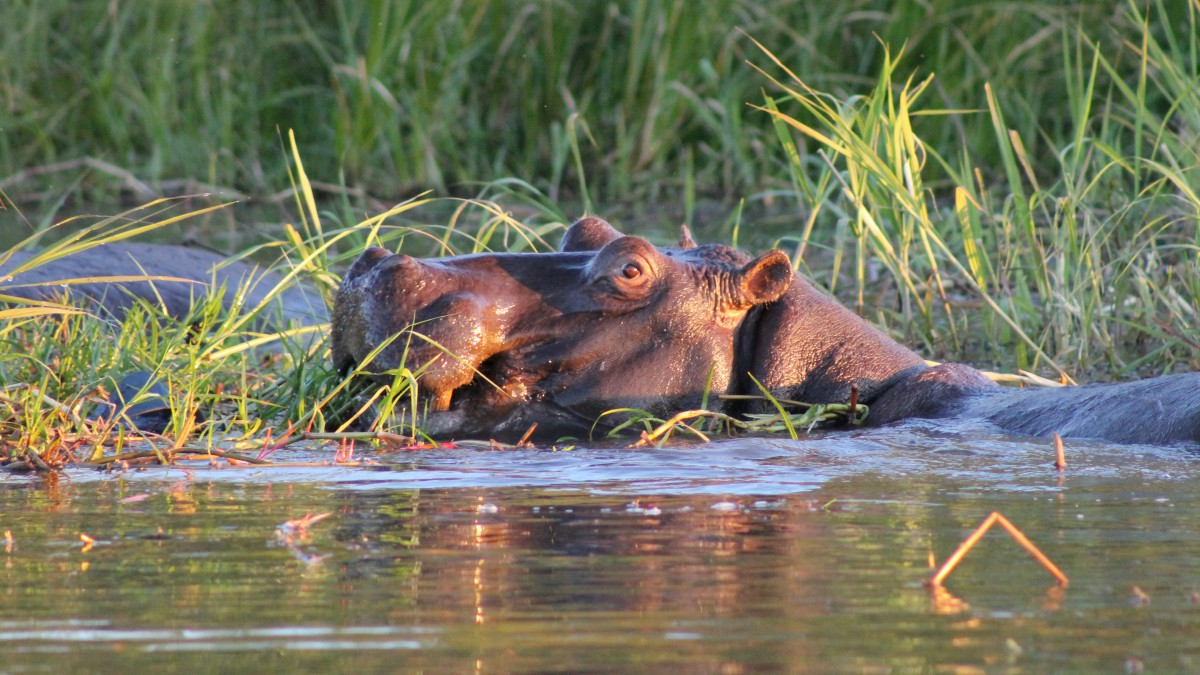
x=739 y=555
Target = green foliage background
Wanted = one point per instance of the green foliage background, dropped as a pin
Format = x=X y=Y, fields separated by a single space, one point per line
x=398 y=97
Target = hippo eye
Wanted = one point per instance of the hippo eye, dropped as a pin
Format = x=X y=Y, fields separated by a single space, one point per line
x=631 y=271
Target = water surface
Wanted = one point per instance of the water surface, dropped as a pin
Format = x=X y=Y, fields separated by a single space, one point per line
x=742 y=555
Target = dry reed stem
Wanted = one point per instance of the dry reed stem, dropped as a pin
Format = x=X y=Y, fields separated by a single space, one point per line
x=525 y=439
x=760 y=397
x=56 y=405
x=293 y=465
x=1019 y=378
x=290 y=438
x=995 y=517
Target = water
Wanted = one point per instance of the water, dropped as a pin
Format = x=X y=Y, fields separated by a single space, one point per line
x=743 y=555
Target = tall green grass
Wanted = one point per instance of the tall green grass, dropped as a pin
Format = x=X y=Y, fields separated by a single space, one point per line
x=397 y=98
x=1083 y=254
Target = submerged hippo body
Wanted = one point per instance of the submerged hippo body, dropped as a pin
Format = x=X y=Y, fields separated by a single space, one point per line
x=295 y=305
x=501 y=341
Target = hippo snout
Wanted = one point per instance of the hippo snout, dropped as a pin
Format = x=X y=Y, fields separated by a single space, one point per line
x=395 y=311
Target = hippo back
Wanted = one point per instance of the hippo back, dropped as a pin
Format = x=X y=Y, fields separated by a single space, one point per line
x=1158 y=410
x=201 y=269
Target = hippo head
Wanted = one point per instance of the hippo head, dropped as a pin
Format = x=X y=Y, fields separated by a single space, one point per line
x=501 y=340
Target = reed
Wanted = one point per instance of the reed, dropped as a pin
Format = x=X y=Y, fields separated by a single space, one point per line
x=1077 y=268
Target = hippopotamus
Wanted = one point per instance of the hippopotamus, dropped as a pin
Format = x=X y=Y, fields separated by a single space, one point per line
x=500 y=341
x=505 y=340
x=296 y=304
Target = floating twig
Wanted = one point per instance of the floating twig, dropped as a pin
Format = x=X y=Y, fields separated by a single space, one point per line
x=326 y=463
x=201 y=453
x=298 y=527
x=525 y=439
x=268 y=446
x=30 y=462
x=293 y=532
x=381 y=436
x=1012 y=530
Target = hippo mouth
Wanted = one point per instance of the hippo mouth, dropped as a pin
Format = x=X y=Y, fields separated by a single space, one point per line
x=491 y=385
x=507 y=399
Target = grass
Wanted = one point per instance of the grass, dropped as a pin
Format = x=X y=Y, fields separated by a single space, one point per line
x=1078 y=269
x=1025 y=199
x=617 y=101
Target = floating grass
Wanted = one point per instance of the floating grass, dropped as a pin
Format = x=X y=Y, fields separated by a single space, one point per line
x=791 y=418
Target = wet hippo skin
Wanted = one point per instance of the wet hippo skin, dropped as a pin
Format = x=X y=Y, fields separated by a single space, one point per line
x=501 y=341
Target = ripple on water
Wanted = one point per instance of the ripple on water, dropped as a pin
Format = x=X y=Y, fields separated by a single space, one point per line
x=961 y=451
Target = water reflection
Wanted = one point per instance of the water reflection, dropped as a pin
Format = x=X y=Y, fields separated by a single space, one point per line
x=607 y=556
x=741 y=556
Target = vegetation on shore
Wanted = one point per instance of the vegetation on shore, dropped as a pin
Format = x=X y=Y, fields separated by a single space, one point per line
x=649 y=97
x=1025 y=198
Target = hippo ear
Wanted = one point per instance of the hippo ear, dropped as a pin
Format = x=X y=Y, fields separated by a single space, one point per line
x=588 y=234
x=764 y=279
x=686 y=240
x=367 y=262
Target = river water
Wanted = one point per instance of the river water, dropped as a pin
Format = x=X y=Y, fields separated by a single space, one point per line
x=741 y=555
